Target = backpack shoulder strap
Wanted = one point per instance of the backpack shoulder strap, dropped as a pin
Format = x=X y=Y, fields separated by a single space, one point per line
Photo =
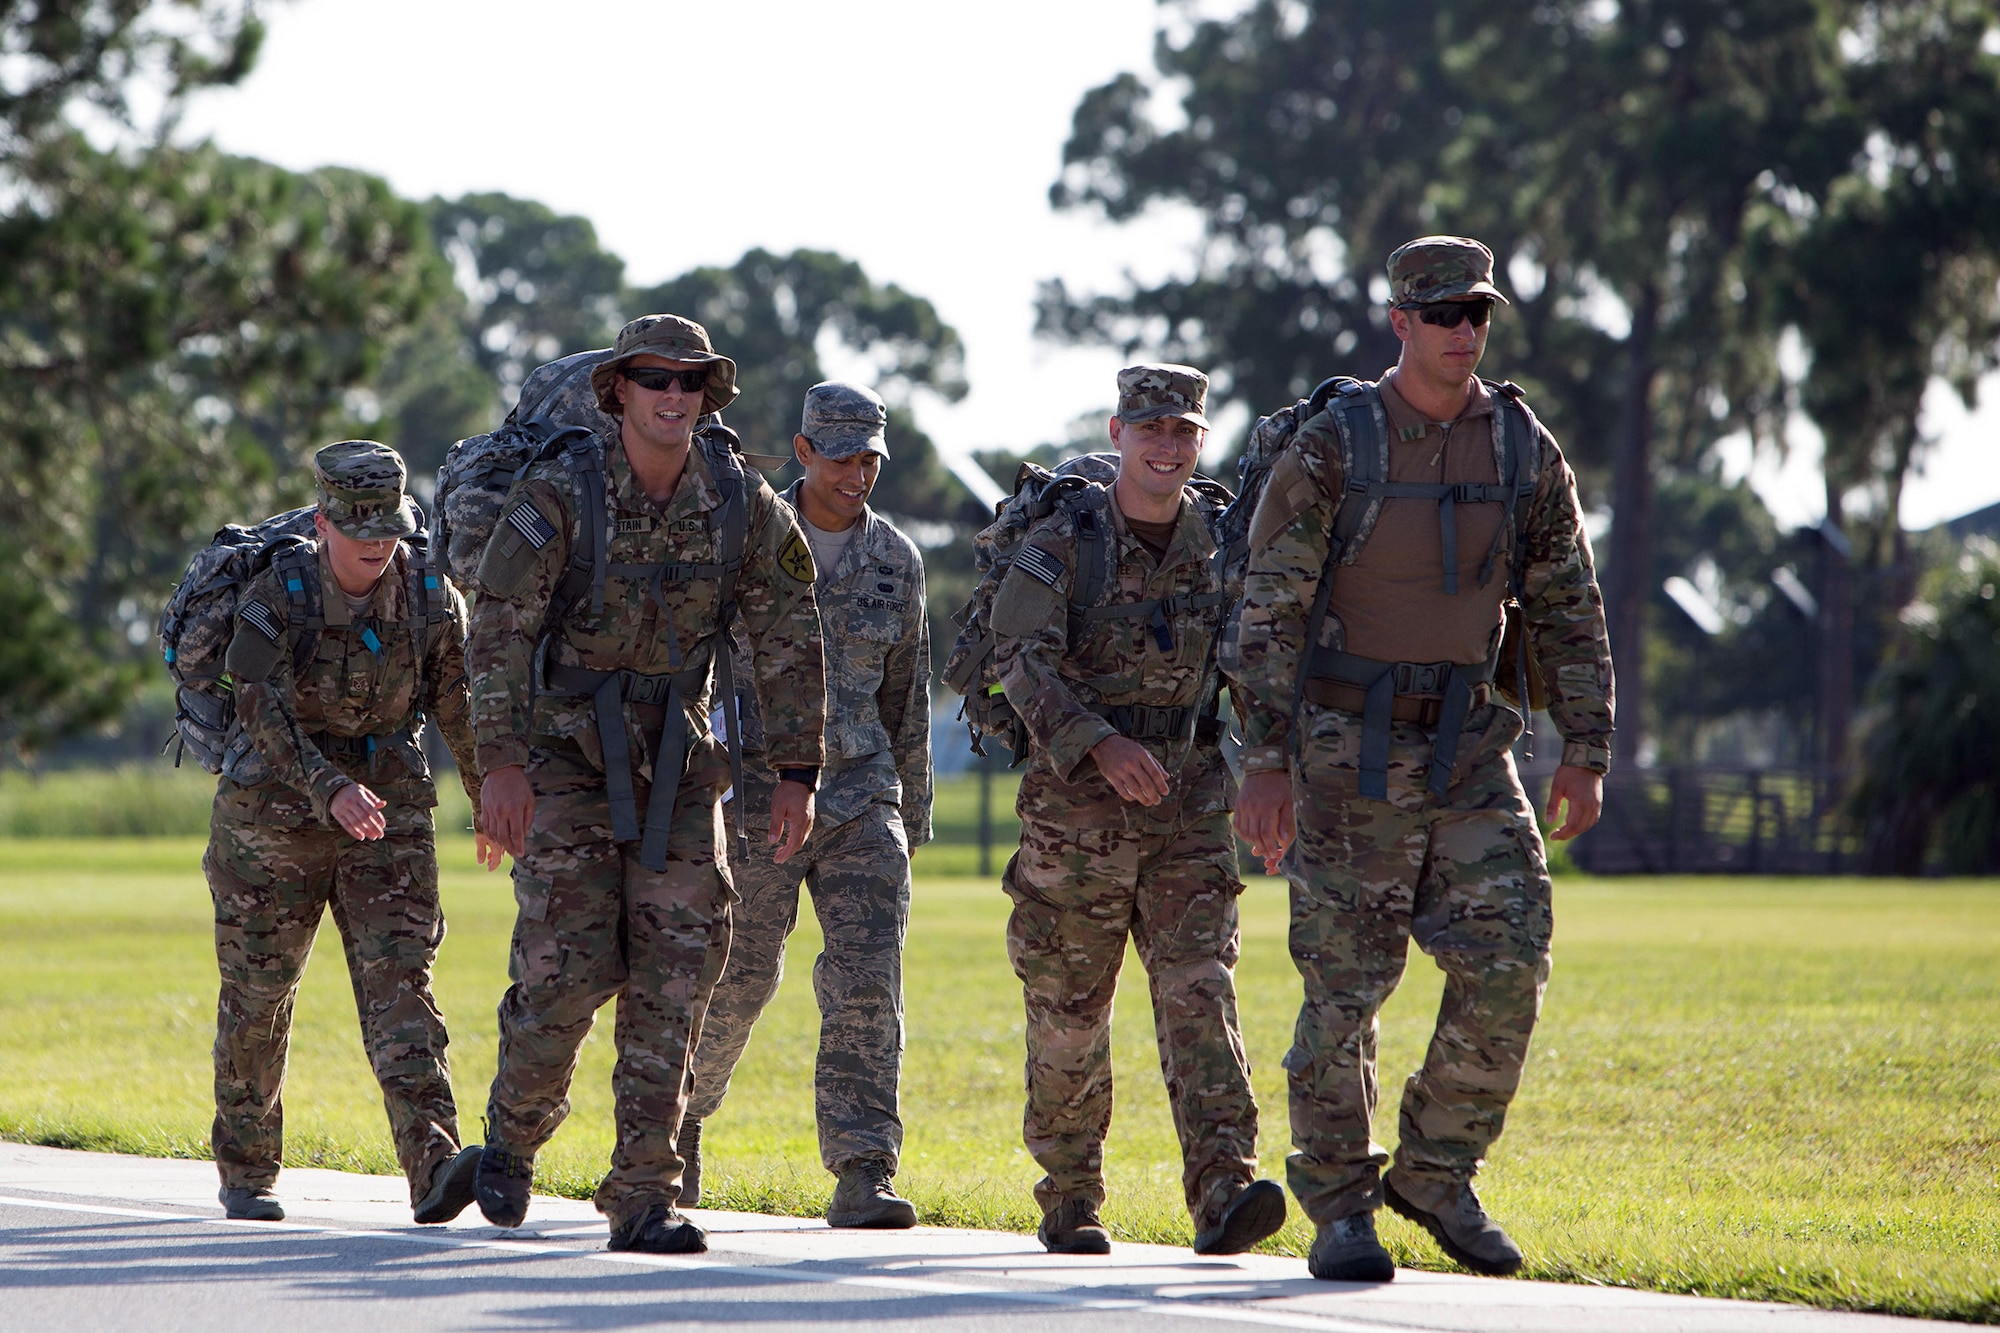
x=1089 y=509
x=296 y=562
x=1363 y=426
x=584 y=458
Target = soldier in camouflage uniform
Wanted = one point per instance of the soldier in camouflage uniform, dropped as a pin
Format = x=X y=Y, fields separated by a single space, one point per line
x=873 y=807
x=592 y=714
x=1125 y=828
x=1385 y=848
x=326 y=800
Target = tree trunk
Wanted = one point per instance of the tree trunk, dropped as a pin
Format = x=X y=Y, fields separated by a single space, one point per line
x=1629 y=577
x=1836 y=639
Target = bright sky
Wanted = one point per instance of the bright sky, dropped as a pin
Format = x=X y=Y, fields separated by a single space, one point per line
x=915 y=136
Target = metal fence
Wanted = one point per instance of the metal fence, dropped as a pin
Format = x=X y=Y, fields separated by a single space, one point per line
x=1718 y=821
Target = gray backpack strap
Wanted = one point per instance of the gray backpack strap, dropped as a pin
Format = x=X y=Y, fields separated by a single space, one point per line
x=1090 y=512
x=734 y=485
x=297 y=564
x=1363 y=426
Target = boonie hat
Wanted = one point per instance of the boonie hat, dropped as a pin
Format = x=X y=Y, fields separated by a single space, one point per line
x=842 y=419
x=1148 y=393
x=1441 y=268
x=361 y=490
x=676 y=339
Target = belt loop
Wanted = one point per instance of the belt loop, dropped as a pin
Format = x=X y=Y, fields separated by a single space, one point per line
x=1375 y=737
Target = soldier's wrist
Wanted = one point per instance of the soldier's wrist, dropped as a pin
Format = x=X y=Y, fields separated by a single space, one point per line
x=807 y=776
x=1264 y=759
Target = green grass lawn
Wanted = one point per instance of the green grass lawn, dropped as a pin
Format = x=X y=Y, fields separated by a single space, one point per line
x=1757 y=1088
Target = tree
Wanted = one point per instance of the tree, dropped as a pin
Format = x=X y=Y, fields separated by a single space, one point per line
x=1929 y=774
x=55 y=52
x=536 y=283
x=177 y=328
x=1620 y=159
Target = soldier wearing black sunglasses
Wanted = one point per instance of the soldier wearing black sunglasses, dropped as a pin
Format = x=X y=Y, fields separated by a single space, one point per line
x=1400 y=529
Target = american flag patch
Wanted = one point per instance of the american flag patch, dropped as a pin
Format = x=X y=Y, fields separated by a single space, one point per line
x=528 y=521
x=1040 y=564
x=260 y=615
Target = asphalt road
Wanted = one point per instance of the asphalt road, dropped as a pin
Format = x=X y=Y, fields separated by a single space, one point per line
x=91 y=1241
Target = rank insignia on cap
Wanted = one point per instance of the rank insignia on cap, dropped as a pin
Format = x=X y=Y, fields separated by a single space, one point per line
x=1039 y=564
x=528 y=521
x=795 y=559
x=260 y=615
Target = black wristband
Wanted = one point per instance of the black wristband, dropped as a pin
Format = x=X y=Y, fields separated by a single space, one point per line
x=808 y=776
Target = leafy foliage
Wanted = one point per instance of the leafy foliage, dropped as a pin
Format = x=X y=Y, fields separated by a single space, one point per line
x=1929 y=786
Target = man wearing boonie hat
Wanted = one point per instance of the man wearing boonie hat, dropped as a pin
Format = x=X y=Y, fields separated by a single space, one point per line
x=604 y=591
x=341 y=650
x=1125 y=823
x=873 y=807
x=1382 y=712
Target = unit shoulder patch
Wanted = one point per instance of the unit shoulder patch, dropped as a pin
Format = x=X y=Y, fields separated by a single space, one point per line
x=795 y=558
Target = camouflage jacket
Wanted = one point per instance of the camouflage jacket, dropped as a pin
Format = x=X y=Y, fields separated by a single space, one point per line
x=1054 y=665
x=643 y=628
x=1288 y=544
x=347 y=689
x=878 y=681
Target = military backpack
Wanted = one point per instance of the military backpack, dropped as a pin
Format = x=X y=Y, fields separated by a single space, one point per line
x=199 y=620
x=1356 y=412
x=1081 y=487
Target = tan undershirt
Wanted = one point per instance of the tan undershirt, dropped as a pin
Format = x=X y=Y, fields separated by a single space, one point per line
x=1155 y=537
x=1391 y=600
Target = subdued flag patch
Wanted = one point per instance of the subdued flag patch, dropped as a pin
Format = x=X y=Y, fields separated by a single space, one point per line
x=260 y=615
x=1039 y=564
x=528 y=521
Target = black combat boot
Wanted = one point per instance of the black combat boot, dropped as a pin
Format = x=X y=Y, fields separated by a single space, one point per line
x=1346 y=1250
x=658 y=1229
x=1257 y=1211
x=502 y=1185
x=251 y=1204
x=451 y=1187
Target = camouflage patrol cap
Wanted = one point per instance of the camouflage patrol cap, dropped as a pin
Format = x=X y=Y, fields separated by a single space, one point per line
x=676 y=339
x=1441 y=268
x=361 y=490
x=1148 y=393
x=842 y=419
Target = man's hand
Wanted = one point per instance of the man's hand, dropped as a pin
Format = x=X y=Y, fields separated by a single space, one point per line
x=1264 y=817
x=359 y=811
x=791 y=819
x=1131 y=770
x=506 y=812
x=485 y=851
x=1580 y=789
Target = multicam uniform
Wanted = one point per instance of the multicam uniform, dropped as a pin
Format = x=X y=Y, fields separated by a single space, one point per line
x=594 y=922
x=1463 y=872
x=873 y=807
x=276 y=859
x=1094 y=868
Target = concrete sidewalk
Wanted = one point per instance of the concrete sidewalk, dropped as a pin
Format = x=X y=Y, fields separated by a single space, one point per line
x=90 y=1240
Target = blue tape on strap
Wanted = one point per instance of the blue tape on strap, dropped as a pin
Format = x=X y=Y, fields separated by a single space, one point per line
x=374 y=644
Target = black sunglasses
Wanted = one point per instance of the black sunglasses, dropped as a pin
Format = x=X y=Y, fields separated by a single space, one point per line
x=657 y=379
x=1447 y=314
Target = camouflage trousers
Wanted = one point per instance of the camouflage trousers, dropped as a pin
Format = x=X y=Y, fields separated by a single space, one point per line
x=1092 y=871
x=592 y=925
x=270 y=887
x=859 y=875
x=1466 y=877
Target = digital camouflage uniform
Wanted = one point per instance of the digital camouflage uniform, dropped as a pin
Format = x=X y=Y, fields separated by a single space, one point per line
x=1094 y=869
x=873 y=808
x=276 y=859
x=1464 y=874
x=594 y=922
